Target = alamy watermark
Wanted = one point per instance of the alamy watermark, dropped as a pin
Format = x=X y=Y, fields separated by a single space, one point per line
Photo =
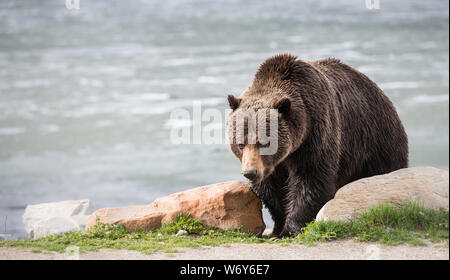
x=373 y=4
x=254 y=127
x=73 y=4
x=372 y=252
x=72 y=253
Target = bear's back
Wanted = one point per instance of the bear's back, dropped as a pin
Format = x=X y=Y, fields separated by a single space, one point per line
x=369 y=123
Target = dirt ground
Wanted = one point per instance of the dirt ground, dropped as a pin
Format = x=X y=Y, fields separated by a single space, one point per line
x=337 y=250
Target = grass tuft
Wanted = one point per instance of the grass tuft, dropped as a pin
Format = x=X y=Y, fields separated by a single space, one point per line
x=184 y=222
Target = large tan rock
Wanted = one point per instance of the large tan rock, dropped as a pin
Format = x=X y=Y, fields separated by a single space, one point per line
x=226 y=205
x=428 y=186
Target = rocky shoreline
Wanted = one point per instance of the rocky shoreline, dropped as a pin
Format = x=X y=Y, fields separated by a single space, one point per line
x=231 y=204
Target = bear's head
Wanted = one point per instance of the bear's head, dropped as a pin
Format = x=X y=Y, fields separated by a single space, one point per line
x=269 y=121
x=260 y=134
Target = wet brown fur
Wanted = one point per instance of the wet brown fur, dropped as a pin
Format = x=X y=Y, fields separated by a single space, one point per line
x=336 y=126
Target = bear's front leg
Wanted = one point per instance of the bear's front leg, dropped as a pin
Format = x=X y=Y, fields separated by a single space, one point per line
x=306 y=196
x=272 y=194
x=277 y=213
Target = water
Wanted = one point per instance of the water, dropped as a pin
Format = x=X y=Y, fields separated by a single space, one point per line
x=85 y=96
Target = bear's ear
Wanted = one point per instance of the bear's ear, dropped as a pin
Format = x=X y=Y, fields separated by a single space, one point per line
x=283 y=105
x=233 y=101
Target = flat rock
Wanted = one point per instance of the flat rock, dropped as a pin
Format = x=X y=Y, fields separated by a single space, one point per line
x=427 y=186
x=56 y=217
x=226 y=205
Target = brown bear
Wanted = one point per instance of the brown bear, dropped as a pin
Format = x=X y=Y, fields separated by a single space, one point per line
x=334 y=126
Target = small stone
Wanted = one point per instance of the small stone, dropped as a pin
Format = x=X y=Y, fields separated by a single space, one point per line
x=427 y=186
x=268 y=231
x=181 y=232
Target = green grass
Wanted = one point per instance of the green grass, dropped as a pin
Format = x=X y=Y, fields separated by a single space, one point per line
x=387 y=224
x=391 y=225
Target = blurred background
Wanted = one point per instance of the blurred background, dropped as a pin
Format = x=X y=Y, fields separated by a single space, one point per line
x=86 y=95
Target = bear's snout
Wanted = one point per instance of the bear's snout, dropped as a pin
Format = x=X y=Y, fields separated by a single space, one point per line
x=251 y=174
x=252 y=164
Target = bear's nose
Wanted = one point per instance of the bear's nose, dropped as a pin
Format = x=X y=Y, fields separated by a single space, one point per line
x=250 y=174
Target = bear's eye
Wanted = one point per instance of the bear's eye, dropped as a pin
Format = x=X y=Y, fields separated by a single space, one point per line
x=241 y=146
x=260 y=145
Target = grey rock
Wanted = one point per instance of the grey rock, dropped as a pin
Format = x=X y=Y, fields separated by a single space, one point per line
x=428 y=186
x=58 y=217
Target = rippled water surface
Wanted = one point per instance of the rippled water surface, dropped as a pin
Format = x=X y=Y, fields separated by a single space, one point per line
x=85 y=96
